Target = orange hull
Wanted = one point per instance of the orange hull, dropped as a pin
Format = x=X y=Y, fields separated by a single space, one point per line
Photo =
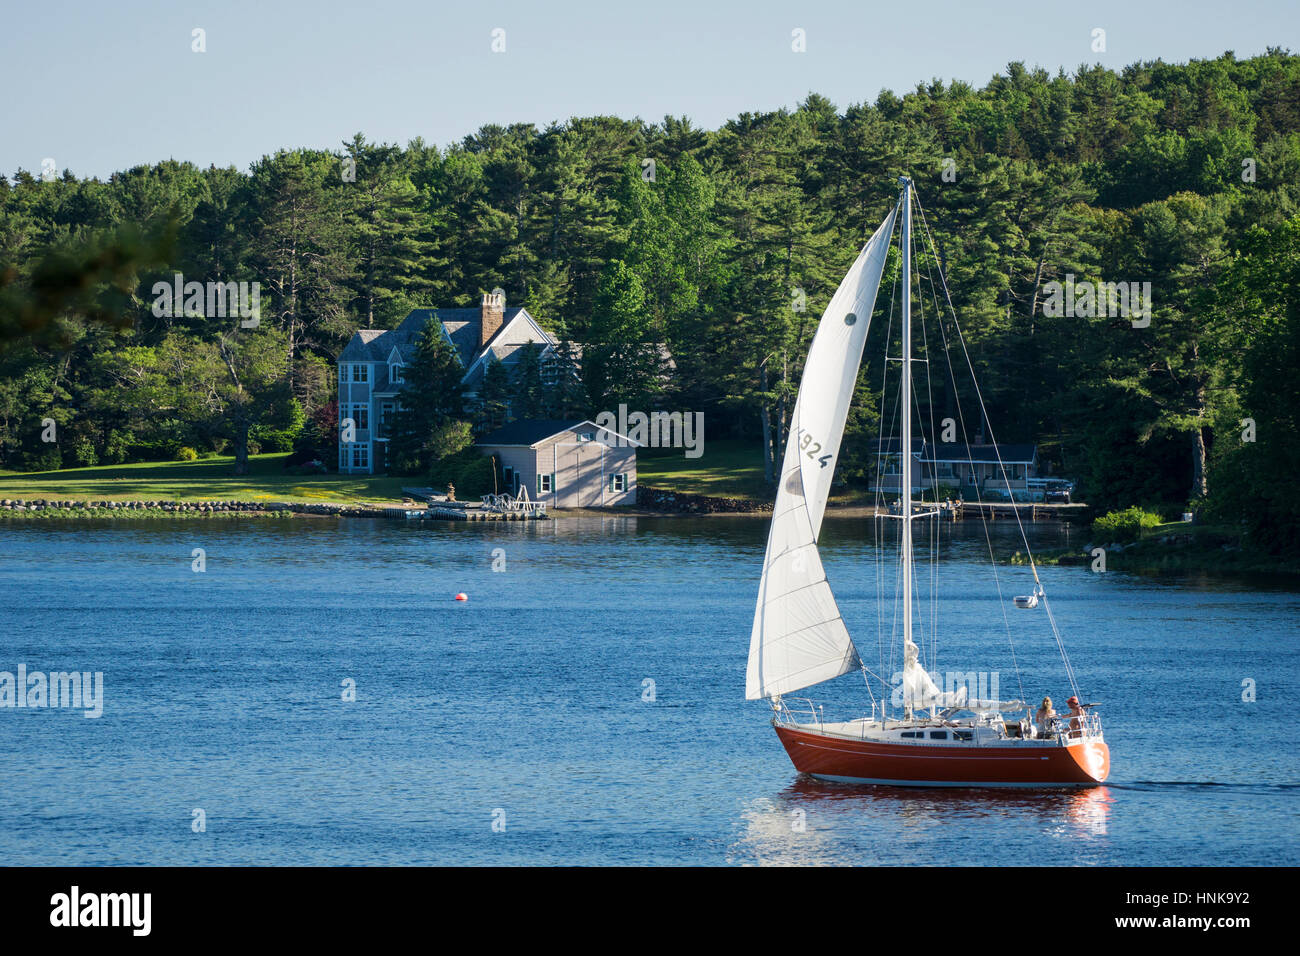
x=1084 y=764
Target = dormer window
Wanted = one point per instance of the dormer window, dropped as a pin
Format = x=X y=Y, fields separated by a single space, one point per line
x=395 y=373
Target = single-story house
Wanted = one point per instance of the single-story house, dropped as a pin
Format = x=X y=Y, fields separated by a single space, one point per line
x=370 y=367
x=567 y=464
x=966 y=468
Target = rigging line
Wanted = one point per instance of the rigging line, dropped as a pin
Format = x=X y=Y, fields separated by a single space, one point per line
x=997 y=580
x=1060 y=644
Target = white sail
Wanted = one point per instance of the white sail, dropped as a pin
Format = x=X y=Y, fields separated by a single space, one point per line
x=799 y=638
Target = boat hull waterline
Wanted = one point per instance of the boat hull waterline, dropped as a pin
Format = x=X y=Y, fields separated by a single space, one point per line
x=844 y=760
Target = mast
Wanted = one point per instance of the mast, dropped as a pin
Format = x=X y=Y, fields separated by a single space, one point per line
x=905 y=467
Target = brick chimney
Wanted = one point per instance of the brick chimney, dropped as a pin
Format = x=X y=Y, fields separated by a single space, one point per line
x=494 y=314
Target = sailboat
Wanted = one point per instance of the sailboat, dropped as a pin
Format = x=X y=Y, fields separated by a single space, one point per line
x=941 y=738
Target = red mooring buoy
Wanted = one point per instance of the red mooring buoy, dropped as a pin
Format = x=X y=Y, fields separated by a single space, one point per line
x=462 y=596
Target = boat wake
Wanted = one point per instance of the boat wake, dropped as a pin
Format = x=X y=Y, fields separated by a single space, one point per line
x=1204 y=785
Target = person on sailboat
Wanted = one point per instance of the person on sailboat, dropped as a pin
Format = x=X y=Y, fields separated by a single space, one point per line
x=1076 y=712
x=1043 y=719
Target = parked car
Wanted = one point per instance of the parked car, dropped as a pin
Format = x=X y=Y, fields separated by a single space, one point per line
x=1058 y=491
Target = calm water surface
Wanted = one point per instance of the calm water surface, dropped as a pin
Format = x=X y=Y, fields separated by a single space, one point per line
x=224 y=692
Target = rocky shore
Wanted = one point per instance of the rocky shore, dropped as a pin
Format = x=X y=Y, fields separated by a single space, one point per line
x=67 y=508
x=676 y=502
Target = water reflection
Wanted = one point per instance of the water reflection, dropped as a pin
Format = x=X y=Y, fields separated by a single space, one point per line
x=813 y=822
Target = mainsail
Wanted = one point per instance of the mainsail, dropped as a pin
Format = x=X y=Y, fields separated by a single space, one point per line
x=799 y=638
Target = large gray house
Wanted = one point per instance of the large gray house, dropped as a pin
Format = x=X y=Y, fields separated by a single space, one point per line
x=567 y=464
x=370 y=367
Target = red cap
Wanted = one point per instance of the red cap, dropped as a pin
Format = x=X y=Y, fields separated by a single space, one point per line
x=1073 y=700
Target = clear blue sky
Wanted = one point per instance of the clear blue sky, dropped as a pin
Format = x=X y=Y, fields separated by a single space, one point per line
x=101 y=86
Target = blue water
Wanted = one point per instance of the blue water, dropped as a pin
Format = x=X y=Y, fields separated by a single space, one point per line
x=524 y=705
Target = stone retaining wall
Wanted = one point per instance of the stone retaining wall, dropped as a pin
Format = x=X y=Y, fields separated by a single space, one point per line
x=188 y=507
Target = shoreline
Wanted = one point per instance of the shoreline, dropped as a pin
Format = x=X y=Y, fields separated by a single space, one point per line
x=1149 y=558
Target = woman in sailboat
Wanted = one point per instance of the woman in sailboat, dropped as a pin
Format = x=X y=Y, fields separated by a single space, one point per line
x=1043 y=719
x=1076 y=712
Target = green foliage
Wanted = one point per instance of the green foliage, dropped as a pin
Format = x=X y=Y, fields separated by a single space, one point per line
x=1126 y=525
x=469 y=470
x=450 y=438
x=187 y=454
x=621 y=361
x=1256 y=457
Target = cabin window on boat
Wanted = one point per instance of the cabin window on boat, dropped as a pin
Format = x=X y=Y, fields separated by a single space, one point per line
x=912 y=733
x=938 y=735
x=963 y=735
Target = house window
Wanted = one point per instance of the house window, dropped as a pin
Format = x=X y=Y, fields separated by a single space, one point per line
x=361 y=415
x=395 y=374
x=584 y=436
x=618 y=482
x=385 y=416
x=343 y=374
x=545 y=483
x=343 y=457
x=361 y=455
x=361 y=373
x=508 y=473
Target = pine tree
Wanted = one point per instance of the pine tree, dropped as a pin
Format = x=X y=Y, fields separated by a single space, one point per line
x=431 y=397
x=493 y=399
x=530 y=396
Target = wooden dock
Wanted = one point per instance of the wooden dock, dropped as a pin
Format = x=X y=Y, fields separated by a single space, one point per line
x=449 y=512
x=1007 y=510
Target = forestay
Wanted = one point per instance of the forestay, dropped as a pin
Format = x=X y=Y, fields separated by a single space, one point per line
x=799 y=638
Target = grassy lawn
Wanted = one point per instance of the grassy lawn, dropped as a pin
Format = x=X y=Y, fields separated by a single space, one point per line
x=727 y=469
x=211 y=479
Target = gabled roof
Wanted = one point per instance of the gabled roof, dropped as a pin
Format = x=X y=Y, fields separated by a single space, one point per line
x=517 y=330
x=360 y=347
x=461 y=328
x=1017 y=454
x=530 y=432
